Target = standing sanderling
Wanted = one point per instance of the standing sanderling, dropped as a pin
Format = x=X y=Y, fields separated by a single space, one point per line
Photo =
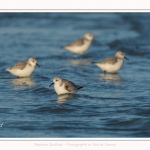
x=23 y=68
x=112 y=64
x=81 y=45
x=63 y=86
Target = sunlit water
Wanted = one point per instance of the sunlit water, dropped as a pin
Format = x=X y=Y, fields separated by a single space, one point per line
x=109 y=105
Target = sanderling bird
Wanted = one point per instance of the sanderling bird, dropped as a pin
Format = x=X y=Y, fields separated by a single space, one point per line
x=23 y=68
x=112 y=64
x=63 y=86
x=81 y=45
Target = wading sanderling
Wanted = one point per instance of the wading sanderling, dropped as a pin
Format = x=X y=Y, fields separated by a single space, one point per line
x=81 y=45
x=112 y=64
x=23 y=68
x=63 y=86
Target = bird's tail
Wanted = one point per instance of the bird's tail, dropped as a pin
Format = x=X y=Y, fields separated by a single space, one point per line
x=7 y=69
x=79 y=87
x=62 y=47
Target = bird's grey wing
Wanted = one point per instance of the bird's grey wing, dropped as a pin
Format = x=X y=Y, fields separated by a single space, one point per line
x=69 y=85
x=77 y=42
x=111 y=60
x=20 y=65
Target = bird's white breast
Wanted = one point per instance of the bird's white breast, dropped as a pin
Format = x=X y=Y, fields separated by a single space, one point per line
x=60 y=89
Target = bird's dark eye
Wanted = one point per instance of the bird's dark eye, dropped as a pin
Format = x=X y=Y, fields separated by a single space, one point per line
x=56 y=80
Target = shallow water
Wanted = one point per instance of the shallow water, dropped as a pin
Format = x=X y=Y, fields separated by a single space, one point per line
x=111 y=105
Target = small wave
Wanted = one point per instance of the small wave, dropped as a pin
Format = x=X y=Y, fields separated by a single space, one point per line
x=51 y=110
x=42 y=90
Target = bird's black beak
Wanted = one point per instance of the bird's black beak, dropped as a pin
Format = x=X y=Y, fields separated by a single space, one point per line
x=38 y=65
x=126 y=58
x=51 y=84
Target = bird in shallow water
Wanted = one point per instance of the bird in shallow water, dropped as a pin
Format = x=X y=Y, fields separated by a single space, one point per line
x=23 y=68
x=63 y=86
x=81 y=45
x=112 y=64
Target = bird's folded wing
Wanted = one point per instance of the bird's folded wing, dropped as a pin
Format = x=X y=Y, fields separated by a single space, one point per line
x=20 y=65
x=78 y=42
x=111 y=60
x=69 y=85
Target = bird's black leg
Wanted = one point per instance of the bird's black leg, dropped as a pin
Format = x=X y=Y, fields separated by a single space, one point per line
x=74 y=55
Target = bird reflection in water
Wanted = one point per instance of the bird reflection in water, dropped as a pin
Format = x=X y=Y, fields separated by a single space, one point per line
x=23 y=82
x=110 y=77
x=64 y=97
x=83 y=61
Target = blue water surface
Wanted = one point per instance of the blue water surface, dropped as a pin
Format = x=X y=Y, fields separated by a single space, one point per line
x=109 y=105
